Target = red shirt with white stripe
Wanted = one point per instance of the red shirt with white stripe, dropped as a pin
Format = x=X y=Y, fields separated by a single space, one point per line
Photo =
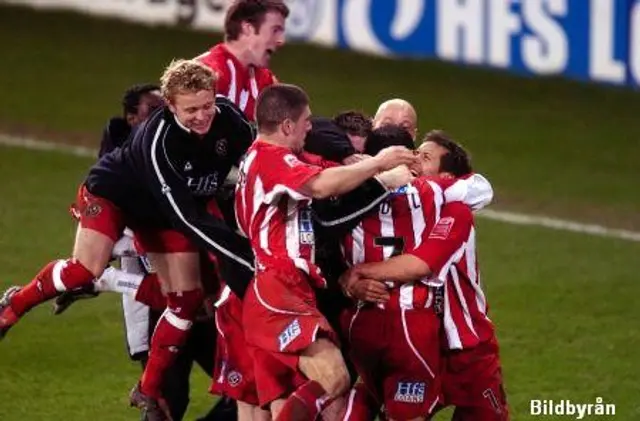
x=239 y=83
x=450 y=252
x=274 y=212
x=399 y=224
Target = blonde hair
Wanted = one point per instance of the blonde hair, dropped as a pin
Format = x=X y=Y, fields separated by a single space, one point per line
x=186 y=76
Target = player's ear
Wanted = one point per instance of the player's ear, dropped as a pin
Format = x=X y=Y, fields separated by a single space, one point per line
x=171 y=106
x=247 y=28
x=287 y=127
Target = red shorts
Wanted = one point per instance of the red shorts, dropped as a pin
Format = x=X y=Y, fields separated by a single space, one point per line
x=164 y=241
x=233 y=373
x=168 y=240
x=98 y=214
x=397 y=355
x=472 y=382
x=280 y=308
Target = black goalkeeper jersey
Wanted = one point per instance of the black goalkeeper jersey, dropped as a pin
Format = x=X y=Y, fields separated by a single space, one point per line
x=164 y=176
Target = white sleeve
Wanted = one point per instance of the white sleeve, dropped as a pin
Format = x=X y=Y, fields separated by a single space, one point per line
x=475 y=191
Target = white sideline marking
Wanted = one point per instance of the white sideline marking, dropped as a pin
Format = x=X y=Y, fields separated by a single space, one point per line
x=559 y=224
x=503 y=216
x=40 y=145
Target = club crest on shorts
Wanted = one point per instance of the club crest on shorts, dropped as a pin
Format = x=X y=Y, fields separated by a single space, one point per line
x=222 y=147
x=289 y=334
x=92 y=210
x=234 y=378
x=410 y=392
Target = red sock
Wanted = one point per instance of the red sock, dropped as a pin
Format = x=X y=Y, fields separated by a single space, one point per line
x=55 y=278
x=170 y=334
x=305 y=403
x=361 y=405
x=150 y=293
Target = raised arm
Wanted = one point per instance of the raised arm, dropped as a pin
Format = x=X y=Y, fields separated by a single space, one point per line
x=339 y=180
x=342 y=213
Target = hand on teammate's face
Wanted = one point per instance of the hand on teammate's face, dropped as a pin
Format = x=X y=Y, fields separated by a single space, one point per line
x=393 y=156
x=397 y=177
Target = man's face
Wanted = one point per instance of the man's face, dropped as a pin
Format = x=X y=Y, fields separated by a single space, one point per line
x=149 y=102
x=357 y=142
x=397 y=115
x=296 y=131
x=195 y=110
x=267 y=40
x=429 y=156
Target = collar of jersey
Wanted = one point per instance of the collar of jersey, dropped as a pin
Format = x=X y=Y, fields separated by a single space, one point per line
x=230 y=56
x=185 y=128
x=182 y=126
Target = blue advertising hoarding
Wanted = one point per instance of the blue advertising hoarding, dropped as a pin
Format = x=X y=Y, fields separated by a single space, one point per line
x=594 y=40
x=589 y=40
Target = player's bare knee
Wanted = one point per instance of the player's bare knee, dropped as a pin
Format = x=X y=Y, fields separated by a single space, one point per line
x=339 y=381
x=177 y=271
x=245 y=411
x=323 y=362
x=276 y=408
x=260 y=414
x=95 y=268
x=248 y=412
x=92 y=249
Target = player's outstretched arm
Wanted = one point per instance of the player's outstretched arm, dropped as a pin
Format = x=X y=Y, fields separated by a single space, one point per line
x=342 y=213
x=340 y=180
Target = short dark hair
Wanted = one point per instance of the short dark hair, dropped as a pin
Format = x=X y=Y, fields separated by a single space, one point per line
x=385 y=136
x=457 y=160
x=133 y=96
x=252 y=11
x=354 y=123
x=277 y=103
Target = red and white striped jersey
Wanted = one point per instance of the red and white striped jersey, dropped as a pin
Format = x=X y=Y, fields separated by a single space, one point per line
x=400 y=223
x=239 y=83
x=273 y=211
x=450 y=252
